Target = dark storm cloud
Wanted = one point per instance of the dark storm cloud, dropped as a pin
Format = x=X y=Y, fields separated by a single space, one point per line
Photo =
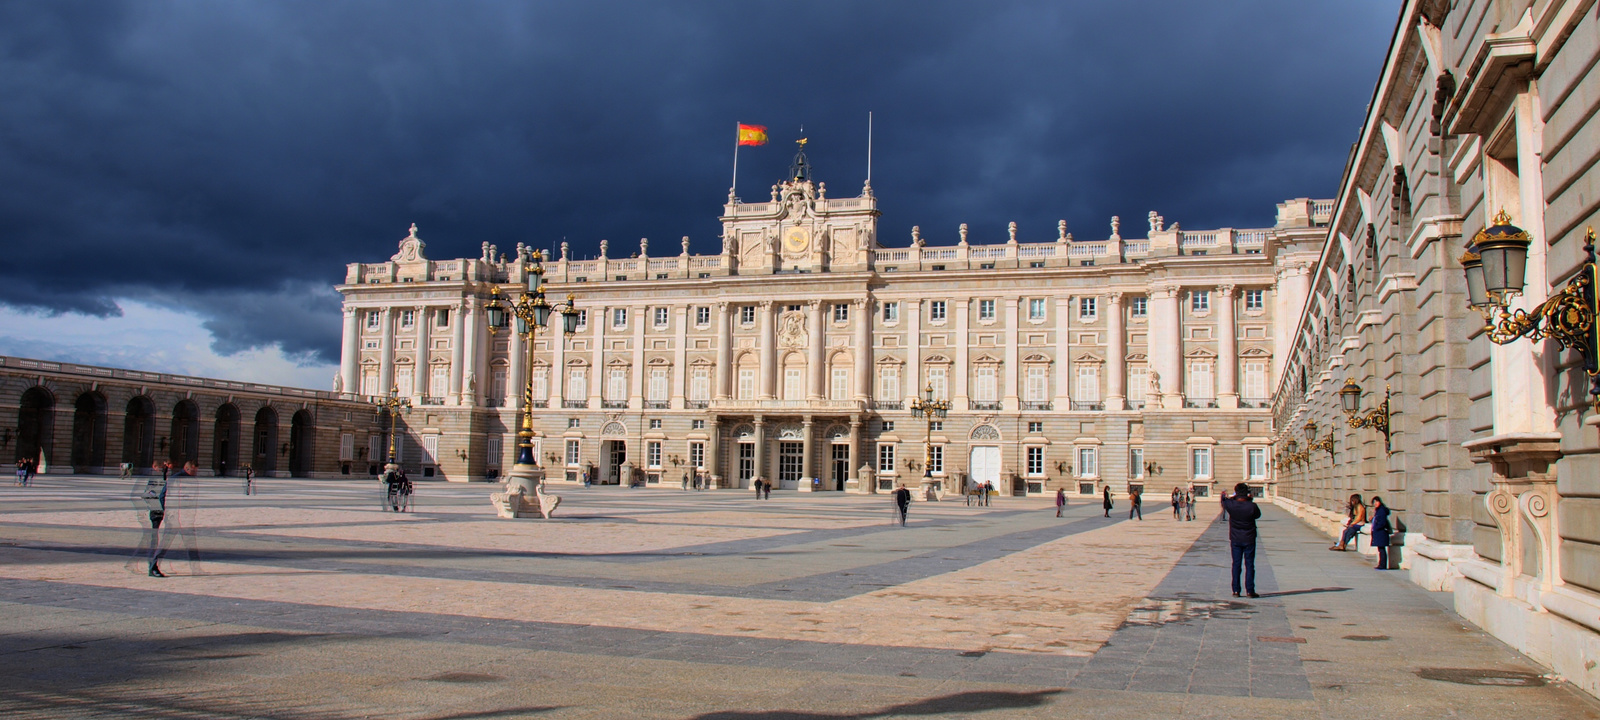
x=230 y=158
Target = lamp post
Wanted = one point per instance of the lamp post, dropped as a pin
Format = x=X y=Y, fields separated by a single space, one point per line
x=1325 y=443
x=1377 y=418
x=530 y=311
x=391 y=405
x=933 y=409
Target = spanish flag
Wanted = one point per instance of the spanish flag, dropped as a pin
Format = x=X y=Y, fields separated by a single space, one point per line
x=752 y=134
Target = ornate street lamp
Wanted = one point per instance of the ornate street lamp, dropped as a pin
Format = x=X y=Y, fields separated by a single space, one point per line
x=933 y=409
x=529 y=312
x=391 y=405
x=1325 y=443
x=1377 y=418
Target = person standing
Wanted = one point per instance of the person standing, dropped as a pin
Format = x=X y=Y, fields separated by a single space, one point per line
x=902 y=501
x=1188 y=502
x=1136 y=497
x=127 y=470
x=22 y=472
x=766 y=489
x=1177 y=504
x=1242 y=515
x=1380 y=532
x=1061 y=501
x=1106 y=500
x=249 y=479
x=150 y=497
x=1355 y=515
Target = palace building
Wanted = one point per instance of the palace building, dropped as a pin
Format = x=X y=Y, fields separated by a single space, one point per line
x=796 y=353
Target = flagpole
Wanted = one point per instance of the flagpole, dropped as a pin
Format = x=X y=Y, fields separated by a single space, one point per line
x=735 y=187
x=869 y=147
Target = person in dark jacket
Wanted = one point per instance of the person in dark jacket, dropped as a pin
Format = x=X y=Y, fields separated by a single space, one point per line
x=1380 y=531
x=1106 y=502
x=1242 y=515
x=902 y=501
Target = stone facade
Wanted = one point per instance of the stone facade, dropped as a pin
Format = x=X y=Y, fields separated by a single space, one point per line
x=796 y=352
x=1481 y=107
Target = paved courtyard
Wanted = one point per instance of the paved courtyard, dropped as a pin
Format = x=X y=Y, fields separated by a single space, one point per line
x=308 y=601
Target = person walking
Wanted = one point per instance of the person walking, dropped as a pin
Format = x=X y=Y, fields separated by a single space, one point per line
x=1380 y=532
x=249 y=479
x=1136 y=497
x=766 y=489
x=127 y=470
x=1242 y=515
x=1188 y=502
x=1177 y=504
x=1061 y=501
x=151 y=499
x=1355 y=515
x=902 y=501
x=22 y=472
x=1106 y=500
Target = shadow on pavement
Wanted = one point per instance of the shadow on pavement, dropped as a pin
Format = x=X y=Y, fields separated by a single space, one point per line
x=959 y=703
x=1307 y=591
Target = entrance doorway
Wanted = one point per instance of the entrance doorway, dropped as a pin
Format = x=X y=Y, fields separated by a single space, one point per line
x=841 y=465
x=616 y=453
x=791 y=461
x=747 y=463
x=985 y=465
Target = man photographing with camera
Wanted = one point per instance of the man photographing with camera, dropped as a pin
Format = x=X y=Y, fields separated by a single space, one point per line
x=1242 y=515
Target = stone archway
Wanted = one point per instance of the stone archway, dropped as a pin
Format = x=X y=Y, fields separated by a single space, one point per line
x=301 y=429
x=264 y=455
x=89 y=433
x=36 y=426
x=225 y=453
x=183 y=445
x=139 y=433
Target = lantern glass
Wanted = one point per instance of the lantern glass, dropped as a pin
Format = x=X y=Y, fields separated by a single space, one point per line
x=1504 y=262
x=541 y=313
x=1472 y=265
x=1310 y=430
x=569 y=320
x=497 y=316
x=522 y=325
x=1350 y=397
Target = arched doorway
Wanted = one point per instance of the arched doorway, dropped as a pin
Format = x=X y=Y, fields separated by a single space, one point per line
x=139 y=433
x=184 y=443
x=300 y=430
x=89 y=433
x=265 y=457
x=225 y=456
x=36 y=426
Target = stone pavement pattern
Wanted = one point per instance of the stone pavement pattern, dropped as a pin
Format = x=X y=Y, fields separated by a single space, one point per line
x=309 y=602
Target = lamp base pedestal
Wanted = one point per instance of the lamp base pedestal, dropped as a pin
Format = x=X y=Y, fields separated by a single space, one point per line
x=524 y=494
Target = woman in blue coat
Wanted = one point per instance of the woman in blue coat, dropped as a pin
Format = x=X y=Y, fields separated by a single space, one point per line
x=1380 y=531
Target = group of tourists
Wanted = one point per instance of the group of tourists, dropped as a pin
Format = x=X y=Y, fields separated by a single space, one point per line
x=1377 y=527
x=763 y=488
x=26 y=469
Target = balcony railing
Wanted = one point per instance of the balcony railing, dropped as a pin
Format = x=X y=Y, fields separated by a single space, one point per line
x=1199 y=402
x=540 y=404
x=984 y=405
x=431 y=400
x=697 y=404
x=1255 y=402
x=1136 y=404
x=575 y=404
x=888 y=405
x=1035 y=405
x=494 y=402
x=657 y=405
x=613 y=404
x=1087 y=405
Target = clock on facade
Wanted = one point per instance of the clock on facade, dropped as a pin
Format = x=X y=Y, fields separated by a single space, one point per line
x=796 y=239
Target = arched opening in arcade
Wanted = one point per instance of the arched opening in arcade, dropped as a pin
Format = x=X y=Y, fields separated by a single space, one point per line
x=89 y=433
x=139 y=433
x=225 y=455
x=184 y=442
x=265 y=455
x=301 y=428
x=35 y=426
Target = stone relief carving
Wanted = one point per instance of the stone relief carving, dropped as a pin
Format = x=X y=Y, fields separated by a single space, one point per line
x=792 y=330
x=614 y=428
x=985 y=432
x=411 y=248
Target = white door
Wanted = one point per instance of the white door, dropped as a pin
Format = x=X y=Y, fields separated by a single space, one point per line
x=985 y=465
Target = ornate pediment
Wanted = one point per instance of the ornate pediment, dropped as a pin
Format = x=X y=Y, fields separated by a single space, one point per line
x=1037 y=358
x=618 y=362
x=1137 y=357
x=985 y=359
x=985 y=432
x=658 y=361
x=411 y=248
x=1088 y=358
x=1200 y=353
x=1255 y=352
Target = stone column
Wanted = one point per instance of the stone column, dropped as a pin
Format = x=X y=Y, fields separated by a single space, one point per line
x=1116 y=354
x=386 y=354
x=636 y=377
x=714 y=446
x=769 y=351
x=862 y=307
x=912 y=383
x=480 y=363
x=515 y=370
x=458 y=344
x=1227 y=349
x=724 y=379
x=471 y=380
x=1013 y=369
x=556 y=378
x=1063 y=379
x=1289 y=302
x=816 y=389
x=421 y=385
x=853 y=480
x=597 y=360
x=349 y=356
x=962 y=372
x=761 y=447
x=1166 y=344
x=808 y=461
x=678 y=380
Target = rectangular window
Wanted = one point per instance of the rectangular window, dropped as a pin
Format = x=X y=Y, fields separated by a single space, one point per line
x=374 y=320
x=374 y=448
x=655 y=423
x=697 y=455
x=983 y=384
x=619 y=317
x=439 y=380
x=661 y=317
x=794 y=384
x=578 y=384
x=747 y=383
x=888 y=426
x=658 y=385
x=1200 y=463
x=841 y=313
x=1139 y=307
x=702 y=316
x=443 y=318
x=1138 y=382
x=1088 y=308
x=700 y=385
x=985 y=309
x=574 y=423
x=936 y=459
x=541 y=384
x=1254 y=299
x=747 y=315
x=1200 y=300
x=1088 y=462
x=492 y=449
x=885 y=458
x=573 y=448
x=1200 y=380
x=652 y=454
x=1136 y=463
x=1038 y=383
x=369 y=382
x=888 y=383
x=347 y=447
x=1088 y=382
x=1035 y=461
x=402 y=380
x=1258 y=463
x=1255 y=380
x=840 y=387
x=583 y=318
x=697 y=424
x=408 y=318
x=936 y=310
x=617 y=385
x=1036 y=308
x=430 y=449
x=936 y=426
x=891 y=312
x=939 y=378
x=497 y=383
x=1035 y=427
